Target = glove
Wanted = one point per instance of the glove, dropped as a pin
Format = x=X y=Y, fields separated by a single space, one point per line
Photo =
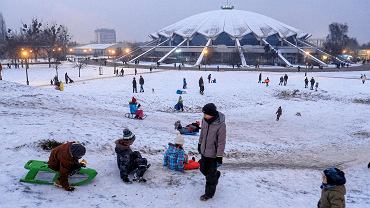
x=70 y=188
x=83 y=163
x=219 y=161
x=199 y=148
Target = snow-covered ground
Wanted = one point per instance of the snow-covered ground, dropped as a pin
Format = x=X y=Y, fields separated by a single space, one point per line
x=267 y=163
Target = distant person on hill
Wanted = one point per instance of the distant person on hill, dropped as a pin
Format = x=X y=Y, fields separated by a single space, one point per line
x=260 y=78
x=141 y=82
x=316 y=86
x=267 y=81
x=209 y=78
x=201 y=85
x=281 y=80
x=306 y=82
x=285 y=79
x=134 y=86
x=278 y=113
x=184 y=84
x=312 y=83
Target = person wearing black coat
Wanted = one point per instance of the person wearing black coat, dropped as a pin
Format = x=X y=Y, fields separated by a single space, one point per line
x=305 y=83
x=134 y=86
x=285 y=79
x=201 y=85
x=260 y=78
x=128 y=161
x=281 y=80
x=141 y=82
x=312 y=83
x=278 y=113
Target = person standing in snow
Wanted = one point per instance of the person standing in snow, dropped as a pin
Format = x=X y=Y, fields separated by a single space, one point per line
x=316 y=86
x=312 y=81
x=201 y=85
x=1 y=69
x=285 y=79
x=278 y=113
x=209 y=78
x=363 y=78
x=135 y=71
x=180 y=104
x=141 y=82
x=333 y=189
x=281 y=80
x=66 y=77
x=65 y=160
x=184 y=84
x=128 y=161
x=122 y=72
x=306 y=82
x=267 y=81
x=211 y=146
x=260 y=78
x=134 y=86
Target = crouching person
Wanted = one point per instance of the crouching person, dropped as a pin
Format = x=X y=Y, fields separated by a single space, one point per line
x=175 y=157
x=332 y=189
x=128 y=161
x=65 y=160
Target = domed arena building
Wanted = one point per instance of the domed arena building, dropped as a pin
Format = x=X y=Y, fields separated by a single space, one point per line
x=231 y=37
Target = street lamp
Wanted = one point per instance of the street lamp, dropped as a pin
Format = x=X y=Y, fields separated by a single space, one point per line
x=127 y=50
x=25 y=55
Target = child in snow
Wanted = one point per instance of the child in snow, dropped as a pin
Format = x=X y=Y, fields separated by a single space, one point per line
x=179 y=106
x=267 y=80
x=278 y=113
x=281 y=80
x=128 y=161
x=133 y=105
x=363 y=78
x=139 y=114
x=332 y=189
x=316 y=86
x=190 y=128
x=64 y=159
x=175 y=157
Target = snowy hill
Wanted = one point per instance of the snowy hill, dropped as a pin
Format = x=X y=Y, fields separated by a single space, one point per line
x=267 y=163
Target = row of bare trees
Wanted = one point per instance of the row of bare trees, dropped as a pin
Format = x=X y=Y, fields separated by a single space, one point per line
x=47 y=41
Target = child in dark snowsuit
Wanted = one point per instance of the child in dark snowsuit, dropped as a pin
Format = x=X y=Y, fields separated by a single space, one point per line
x=332 y=189
x=278 y=113
x=128 y=161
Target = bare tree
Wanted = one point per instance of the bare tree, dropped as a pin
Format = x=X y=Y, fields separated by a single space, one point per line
x=80 y=65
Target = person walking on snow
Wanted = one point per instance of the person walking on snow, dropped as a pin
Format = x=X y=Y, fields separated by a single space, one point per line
x=66 y=77
x=209 y=78
x=316 y=86
x=184 y=84
x=281 y=80
x=260 y=78
x=312 y=83
x=211 y=146
x=135 y=71
x=141 y=82
x=134 y=86
x=201 y=85
x=306 y=82
x=285 y=79
x=278 y=113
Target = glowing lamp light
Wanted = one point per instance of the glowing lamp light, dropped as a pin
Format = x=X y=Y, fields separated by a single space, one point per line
x=71 y=50
x=324 y=57
x=84 y=50
x=127 y=50
x=344 y=51
x=25 y=54
x=307 y=53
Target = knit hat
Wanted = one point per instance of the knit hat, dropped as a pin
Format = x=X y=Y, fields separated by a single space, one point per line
x=179 y=139
x=334 y=176
x=210 y=109
x=128 y=135
x=77 y=150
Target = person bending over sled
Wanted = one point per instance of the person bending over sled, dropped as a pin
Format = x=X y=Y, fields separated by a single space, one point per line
x=188 y=129
x=175 y=157
x=64 y=159
x=128 y=161
x=139 y=114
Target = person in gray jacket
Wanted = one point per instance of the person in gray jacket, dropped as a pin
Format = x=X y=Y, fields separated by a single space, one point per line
x=211 y=146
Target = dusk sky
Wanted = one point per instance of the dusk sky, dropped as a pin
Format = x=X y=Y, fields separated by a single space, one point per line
x=133 y=20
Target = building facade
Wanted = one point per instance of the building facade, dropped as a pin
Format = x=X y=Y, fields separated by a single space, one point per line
x=105 y=36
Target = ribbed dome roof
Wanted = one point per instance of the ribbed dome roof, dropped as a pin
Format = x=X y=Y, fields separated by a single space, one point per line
x=236 y=23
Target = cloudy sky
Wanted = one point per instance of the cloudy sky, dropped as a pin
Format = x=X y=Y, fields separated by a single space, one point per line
x=133 y=20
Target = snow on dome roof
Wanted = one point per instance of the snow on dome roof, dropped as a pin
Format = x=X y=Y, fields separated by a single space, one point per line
x=236 y=23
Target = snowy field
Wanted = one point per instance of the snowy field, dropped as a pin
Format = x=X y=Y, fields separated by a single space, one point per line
x=267 y=163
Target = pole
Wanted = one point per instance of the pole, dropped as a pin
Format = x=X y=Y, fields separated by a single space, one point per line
x=28 y=83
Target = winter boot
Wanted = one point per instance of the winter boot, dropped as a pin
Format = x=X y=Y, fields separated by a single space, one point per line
x=126 y=180
x=205 y=197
